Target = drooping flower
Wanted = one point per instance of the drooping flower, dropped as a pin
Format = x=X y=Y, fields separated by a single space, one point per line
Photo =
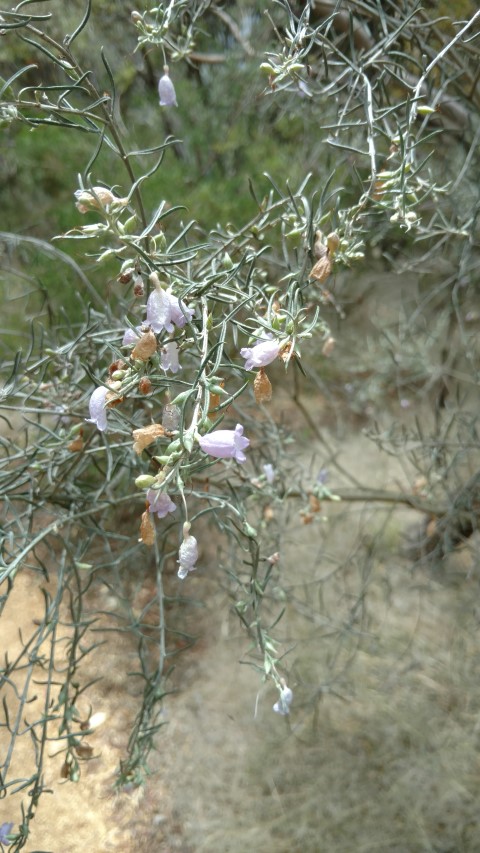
x=131 y=336
x=164 y=311
x=225 y=443
x=188 y=553
x=269 y=472
x=169 y=357
x=98 y=412
x=179 y=311
x=261 y=354
x=160 y=503
x=285 y=700
x=5 y=830
x=166 y=90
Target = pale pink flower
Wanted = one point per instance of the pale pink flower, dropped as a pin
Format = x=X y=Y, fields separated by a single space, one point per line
x=169 y=357
x=166 y=90
x=164 y=311
x=131 y=336
x=225 y=443
x=98 y=412
x=160 y=503
x=261 y=354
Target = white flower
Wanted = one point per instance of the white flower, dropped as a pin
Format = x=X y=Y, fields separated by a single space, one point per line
x=269 y=472
x=283 y=705
x=166 y=90
x=98 y=412
x=261 y=354
x=188 y=553
x=169 y=357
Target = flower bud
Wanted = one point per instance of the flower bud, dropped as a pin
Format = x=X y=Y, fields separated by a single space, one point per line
x=144 y=481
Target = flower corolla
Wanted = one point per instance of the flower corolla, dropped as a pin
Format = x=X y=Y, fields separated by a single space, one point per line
x=164 y=311
x=5 y=830
x=169 y=357
x=188 y=553
x=131 y=336
x=160 y=503
x=166 y=90
x=283 y=705
x=261 y=354
x=97 y=407
x=269 y=472
x=225 y=443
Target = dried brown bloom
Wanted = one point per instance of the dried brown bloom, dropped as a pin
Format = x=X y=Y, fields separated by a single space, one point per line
x=84 y=750
x=145 y=436
x=322 y=269
x=262 y=387
x=286 y=353
x=77 y=445
x=315 y=505
x=126 y=276
x=138 y=286
x=144 y=386
x=113 y=399
x=307 y=517
x=328 y=346
x=268 y=513
x=147 y=529
x=119 y=364
x=333 y=242
x=145 y=347
x=214 y=402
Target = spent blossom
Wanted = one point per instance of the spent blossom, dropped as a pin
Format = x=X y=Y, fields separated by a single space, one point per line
x=225 y=443
x=188 y=553
x=160 y=503
x=261 y=354
x=97 y=199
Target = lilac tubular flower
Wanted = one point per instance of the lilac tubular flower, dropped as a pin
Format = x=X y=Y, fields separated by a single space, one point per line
x=98 y=412
x=225 y=443
x=283 y=705
x=164 y=310
x=169 y=357
x=159 y=313
x=166 y=90
x=261 y=354
x=188 y=553
x=5 y=830
x=179 y=311
x=131 y=336
x=160 y=503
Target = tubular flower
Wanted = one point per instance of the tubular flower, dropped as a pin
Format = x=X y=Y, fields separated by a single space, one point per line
x=98 y=412
x=164 y=311
x=160 y=503
x=225 y=443
x=169 y=357
x=166 y=90
x=188 y=553
x=261 y=354
x=285 y=700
